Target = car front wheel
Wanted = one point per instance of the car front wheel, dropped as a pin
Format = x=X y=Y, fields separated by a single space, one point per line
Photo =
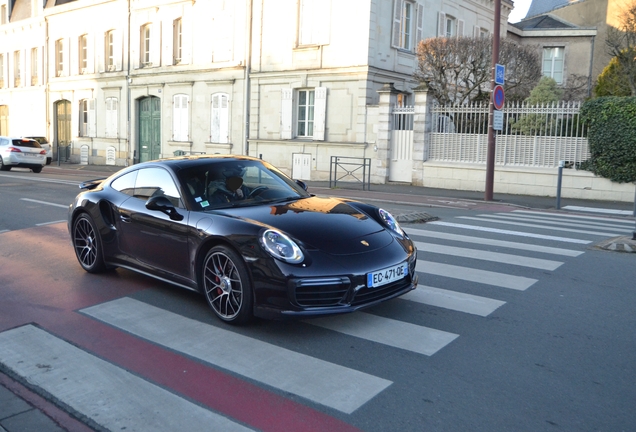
x=226 y=285
x=87 y=245
x=4 y=167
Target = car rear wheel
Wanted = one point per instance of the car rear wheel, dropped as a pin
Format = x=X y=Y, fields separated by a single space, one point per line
x=227 y=286
x=87 y=245
x=37 y=169
x=4 y=167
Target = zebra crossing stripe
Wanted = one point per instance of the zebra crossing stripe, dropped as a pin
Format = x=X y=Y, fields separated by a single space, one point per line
x=598 y=210
x=493 y=242
x=507 y=232
x=518 y=260
x=453 y=300
x=597 y=233
x=110 y=396
x=328 y=384
x=561 y=222
x=579 y=217
x=398 y=334
x=502 y=280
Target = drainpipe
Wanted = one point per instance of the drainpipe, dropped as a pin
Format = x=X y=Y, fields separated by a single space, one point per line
x=246 y=79
x=129 y=155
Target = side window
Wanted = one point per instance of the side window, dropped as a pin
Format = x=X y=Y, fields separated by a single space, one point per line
x=153 y=182
x=126 y=183
x=304 y=113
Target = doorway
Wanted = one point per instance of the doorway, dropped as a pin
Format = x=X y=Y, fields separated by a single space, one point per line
x=149 y=129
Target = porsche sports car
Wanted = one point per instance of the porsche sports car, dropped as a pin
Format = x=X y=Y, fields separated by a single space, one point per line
x=250 y=239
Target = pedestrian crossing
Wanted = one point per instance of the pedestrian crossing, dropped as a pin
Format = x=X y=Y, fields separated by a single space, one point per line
x=470 y=251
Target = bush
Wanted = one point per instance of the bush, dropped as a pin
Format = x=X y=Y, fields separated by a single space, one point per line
x=611 y=123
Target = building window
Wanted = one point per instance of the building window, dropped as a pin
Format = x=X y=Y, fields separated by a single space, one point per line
x=177 y=41
x=313 y=22
x=219 y=124
x=59 y=57
x=180 y=120
x=553 y=63
x=145 y=45
x=1 y=70
x=3 y=14
x=83 y=53
x=83 y=120
x=305 y=113
x=111 y=117
x=16 y=69
x=450 y=26
x=109 y=50
x=34 y=67
x=407 y=25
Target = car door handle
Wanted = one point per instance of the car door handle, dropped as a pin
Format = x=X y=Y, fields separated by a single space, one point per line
x=125 y=218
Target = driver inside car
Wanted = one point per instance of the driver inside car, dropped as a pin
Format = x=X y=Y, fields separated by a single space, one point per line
x=228 y=187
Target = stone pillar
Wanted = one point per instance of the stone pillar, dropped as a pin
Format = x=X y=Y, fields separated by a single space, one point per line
x=422 y=126
x=388 y=98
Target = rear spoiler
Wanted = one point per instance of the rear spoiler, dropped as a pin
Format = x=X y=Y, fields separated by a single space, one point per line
x=91 y=184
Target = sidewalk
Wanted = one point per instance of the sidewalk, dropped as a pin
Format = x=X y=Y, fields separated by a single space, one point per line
x=22 y=410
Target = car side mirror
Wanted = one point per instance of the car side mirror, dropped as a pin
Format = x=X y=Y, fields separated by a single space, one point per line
x=302 y=184
x=163 y=204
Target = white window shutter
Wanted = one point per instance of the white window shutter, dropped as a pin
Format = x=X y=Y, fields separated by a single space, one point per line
x=111 y=117
x=186 y=37
x=460 y=28
x=476 y=31
x=441 y=24
x=155 y=44
x=286 y=114
x=180 y=118
x=320 y=111
x=397 y=20
x=420 y=26
x=117 y=49
x=92 y=119
x=90 y=53
x=220 y=119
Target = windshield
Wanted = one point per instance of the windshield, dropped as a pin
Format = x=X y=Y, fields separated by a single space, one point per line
x=223 y=184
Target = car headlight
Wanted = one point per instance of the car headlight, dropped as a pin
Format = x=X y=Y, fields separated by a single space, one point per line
x=390 y=221
x=281 y=246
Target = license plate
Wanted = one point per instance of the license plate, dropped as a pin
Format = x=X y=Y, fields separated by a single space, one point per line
x=387 y=275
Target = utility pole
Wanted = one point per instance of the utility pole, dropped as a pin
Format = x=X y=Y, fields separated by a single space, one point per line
x=490 y=160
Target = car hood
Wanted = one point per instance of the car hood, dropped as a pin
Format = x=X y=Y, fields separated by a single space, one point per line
x=332 y=225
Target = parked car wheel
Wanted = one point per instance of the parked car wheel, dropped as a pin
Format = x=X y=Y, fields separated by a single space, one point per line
x=4 y=167
x=37 y=169
x=87 y=245
x=227 y=285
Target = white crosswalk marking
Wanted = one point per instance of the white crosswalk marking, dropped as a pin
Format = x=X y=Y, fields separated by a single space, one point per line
x=386 y=331
x=598 y=210
x=491 y=242
x=488 y=256
x=576 y=220
x=508 y=232
x=490 y=219
x=502 y=280
x=322 y=382
x=453 y=300
x=553 y=222
x=110 y=396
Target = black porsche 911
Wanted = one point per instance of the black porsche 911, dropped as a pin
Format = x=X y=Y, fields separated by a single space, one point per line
x=245 y=235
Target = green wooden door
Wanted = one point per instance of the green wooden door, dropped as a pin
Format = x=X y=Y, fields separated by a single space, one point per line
x=149 y=129
x=63 y=129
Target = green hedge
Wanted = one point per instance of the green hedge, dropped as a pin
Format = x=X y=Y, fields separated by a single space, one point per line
x=611 y=134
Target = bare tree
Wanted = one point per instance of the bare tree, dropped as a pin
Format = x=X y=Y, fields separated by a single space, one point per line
x=458 y=70
x=621 y=44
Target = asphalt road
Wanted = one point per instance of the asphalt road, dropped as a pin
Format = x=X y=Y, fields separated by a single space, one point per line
x=519 y=323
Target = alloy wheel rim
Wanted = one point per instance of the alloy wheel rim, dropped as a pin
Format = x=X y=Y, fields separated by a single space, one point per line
x=223 y=286
x=85 y=243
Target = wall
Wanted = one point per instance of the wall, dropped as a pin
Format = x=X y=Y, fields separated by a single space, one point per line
x=526 y=181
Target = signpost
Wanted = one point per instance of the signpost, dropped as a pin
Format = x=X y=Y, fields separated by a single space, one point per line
x=498 y=97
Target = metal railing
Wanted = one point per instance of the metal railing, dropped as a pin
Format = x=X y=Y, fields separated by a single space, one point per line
x=354 y=170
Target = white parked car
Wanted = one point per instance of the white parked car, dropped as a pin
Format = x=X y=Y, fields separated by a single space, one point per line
x=21 y=152
x=46 y=145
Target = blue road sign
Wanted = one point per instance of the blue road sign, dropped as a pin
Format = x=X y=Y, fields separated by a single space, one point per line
x=500 y=73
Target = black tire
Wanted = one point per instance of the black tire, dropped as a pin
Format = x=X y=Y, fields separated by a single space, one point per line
x=88 y=245
x=4 y=167
x=37 y=170
x=226 y=285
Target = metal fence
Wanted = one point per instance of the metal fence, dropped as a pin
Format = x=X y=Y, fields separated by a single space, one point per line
x=532 y=135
